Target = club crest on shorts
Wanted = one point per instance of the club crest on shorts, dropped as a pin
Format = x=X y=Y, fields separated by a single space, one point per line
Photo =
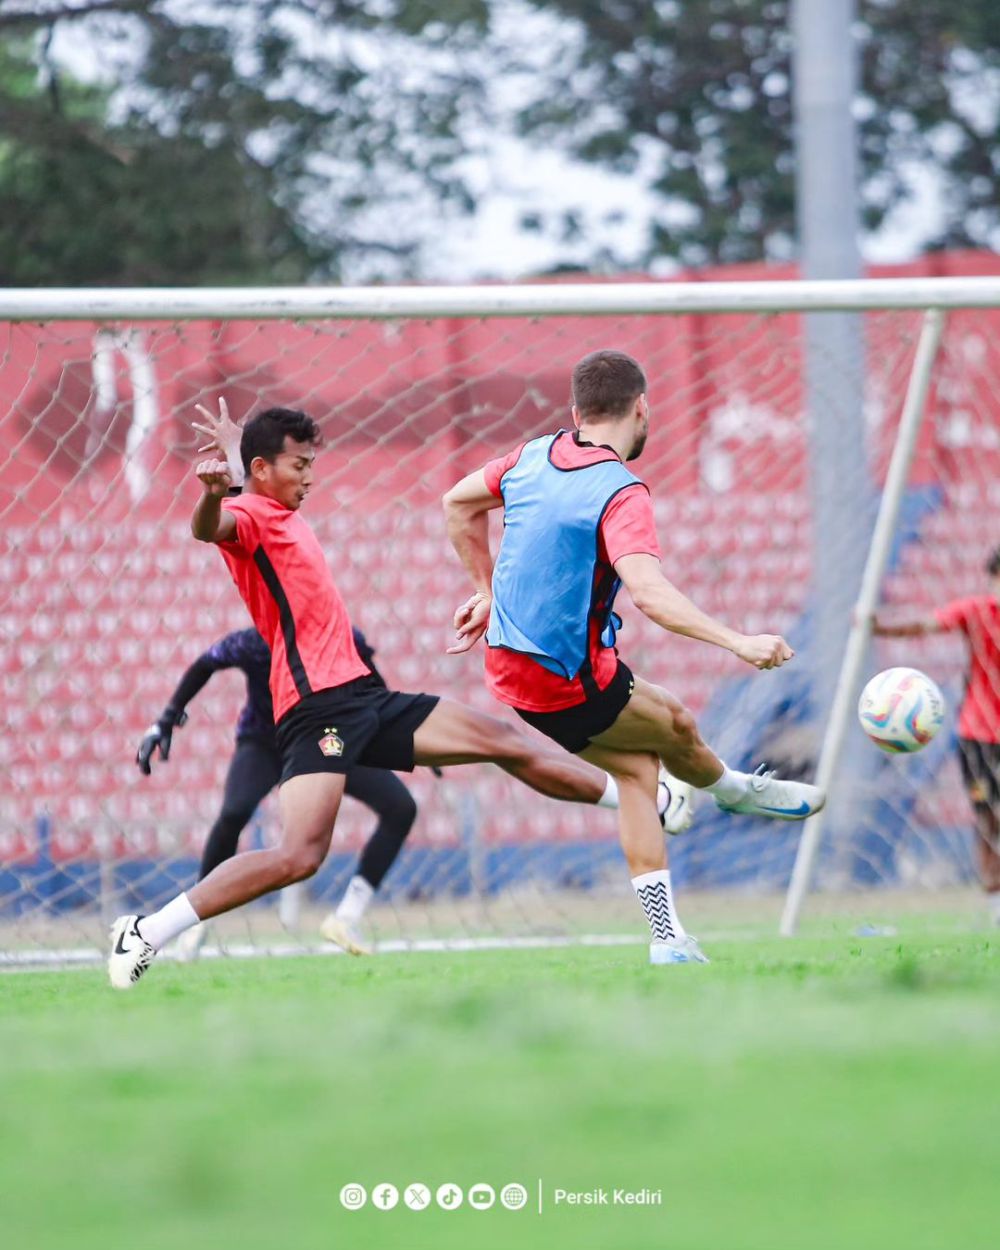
x=331 y=744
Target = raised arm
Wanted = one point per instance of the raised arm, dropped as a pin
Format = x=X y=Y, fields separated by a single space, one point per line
x=466 y=509
x=667 y=607
x=209 y=524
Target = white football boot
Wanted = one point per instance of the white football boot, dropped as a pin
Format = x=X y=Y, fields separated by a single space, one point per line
x=683 y=950
x=768 y=795
x=347 y=936
x=674 y=802
x=130 y=954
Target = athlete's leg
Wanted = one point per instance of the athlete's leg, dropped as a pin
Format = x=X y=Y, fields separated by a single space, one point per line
x=988 y=847
x=640 y=830
x=396 y=809
x=456 y=734
x=641 y=833
x=309 y=805
x=655 y=721
x=980 y=777
x=254 y=771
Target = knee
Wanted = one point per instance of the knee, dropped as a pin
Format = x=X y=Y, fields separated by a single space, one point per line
x=299 y=864
x=236 y=818
x=684 y=725
x=509 y=745
x=402 y=812
x=671 y=713
x=641 y=769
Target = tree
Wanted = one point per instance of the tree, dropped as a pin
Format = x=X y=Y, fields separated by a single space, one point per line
x=272 y=141
x=694 y=98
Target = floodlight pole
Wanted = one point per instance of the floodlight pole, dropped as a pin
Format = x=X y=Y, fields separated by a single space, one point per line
x=824 y=82
x=857 y=643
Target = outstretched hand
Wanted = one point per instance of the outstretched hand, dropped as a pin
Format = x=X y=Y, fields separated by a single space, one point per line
x=223 y=433
x=763 y=650
x=471 y=620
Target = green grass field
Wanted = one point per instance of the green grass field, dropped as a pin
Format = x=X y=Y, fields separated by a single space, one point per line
x=828 y=1092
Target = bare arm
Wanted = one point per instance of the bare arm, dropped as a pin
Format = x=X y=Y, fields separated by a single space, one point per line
x=466 y=510
x=667 y=607
x=209 y=524
x=915 y=628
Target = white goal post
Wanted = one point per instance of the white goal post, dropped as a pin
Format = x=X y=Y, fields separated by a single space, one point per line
x=417 y=385
x=540 y=300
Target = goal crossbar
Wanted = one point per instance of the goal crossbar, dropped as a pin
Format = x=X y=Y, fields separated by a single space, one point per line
x=555 y=299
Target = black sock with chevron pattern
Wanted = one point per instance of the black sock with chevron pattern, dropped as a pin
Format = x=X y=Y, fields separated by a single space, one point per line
x=654 y=893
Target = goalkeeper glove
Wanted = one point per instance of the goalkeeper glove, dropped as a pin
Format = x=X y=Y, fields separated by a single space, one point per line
x=158 y=735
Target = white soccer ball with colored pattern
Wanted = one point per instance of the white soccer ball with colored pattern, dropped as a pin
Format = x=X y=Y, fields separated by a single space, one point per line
x=901 y=710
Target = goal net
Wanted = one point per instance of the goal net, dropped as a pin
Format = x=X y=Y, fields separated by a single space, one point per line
x=106 y=599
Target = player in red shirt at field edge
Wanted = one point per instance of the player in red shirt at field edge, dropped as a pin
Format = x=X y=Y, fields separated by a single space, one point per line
x=978 y=618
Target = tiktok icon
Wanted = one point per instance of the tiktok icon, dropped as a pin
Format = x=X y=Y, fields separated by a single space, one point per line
x=449 y=1196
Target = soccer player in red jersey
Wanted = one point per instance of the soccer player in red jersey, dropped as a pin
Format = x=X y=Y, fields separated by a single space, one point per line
x=255 y=770
x=577 y=525
x=978 y=618
x=330 y=714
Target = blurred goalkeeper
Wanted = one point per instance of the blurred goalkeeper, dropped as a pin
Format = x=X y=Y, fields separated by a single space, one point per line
x=255 y=770
x=978 y=618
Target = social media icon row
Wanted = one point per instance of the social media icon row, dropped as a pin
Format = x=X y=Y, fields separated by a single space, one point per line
x=448 y=1197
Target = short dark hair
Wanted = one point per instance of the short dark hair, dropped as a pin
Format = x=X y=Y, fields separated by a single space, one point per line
x=993 y=563
x=607 y=383
x=264 y=434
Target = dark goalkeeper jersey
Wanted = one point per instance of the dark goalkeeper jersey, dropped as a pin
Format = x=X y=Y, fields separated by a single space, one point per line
x=247 y=651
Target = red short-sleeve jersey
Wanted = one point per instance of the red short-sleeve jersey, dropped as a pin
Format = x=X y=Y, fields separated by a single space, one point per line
x=283 y=578
x=627 y=528
x=978 y=617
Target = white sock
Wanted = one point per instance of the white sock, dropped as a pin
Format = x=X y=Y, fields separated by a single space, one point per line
x=610 y=796
x=730 y=787
x=164 y=925
x=993 y=900
x=357 y=896
x=654 y=893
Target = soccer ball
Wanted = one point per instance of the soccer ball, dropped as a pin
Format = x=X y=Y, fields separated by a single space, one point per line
x=901 y=710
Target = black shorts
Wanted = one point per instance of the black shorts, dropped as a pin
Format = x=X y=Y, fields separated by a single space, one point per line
x=574 y=727
x=358 y=723
x=980 y=763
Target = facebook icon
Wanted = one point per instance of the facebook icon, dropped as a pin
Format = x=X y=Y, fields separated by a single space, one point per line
x=385 y=1196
